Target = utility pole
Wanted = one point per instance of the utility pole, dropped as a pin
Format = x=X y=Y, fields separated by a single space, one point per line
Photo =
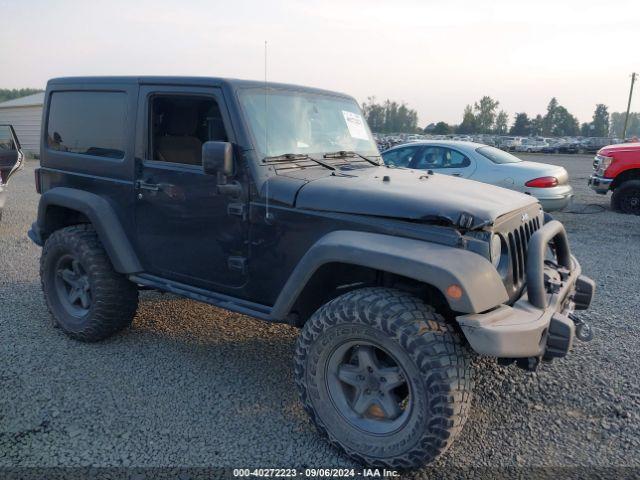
x=626 y=119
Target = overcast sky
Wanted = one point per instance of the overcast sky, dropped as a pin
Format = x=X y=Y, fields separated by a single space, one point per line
x=437 y=56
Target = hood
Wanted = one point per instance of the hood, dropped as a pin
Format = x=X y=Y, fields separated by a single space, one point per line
x=620 y=147
x=411 y=195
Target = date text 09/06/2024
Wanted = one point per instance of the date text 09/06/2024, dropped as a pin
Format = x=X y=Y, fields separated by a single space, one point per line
x=316 y=472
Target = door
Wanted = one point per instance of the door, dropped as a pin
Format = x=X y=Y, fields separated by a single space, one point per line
x=186 y=230
x=400 y=156
x=11 y=156
x=445 y=160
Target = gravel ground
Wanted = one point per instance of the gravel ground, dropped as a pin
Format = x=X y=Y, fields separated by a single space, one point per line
x=193 y=385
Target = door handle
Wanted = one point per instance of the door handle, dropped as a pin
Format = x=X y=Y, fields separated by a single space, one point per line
x=152 y=187
x=456 y=174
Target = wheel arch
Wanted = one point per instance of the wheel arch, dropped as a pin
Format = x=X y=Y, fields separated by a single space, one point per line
x=62 y=207
x=333 y=279
x=630 y=174
x=427 y=266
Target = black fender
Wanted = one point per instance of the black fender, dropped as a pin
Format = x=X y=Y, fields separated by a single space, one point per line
x=101 y=215
x=432 y=263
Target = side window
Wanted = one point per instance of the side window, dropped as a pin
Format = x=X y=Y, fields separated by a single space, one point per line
x=88 y=123
x=429 y=157
x=455 y=159
x=180 y=124
x=440 y=157
x=400 y=157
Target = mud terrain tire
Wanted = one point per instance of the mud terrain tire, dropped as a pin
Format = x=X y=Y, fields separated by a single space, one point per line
x=399 y=329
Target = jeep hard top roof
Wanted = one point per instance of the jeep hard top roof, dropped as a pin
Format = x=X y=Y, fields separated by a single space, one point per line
x=232 y=83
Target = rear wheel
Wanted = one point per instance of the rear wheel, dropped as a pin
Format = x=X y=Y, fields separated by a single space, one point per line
x=626 y=197
x=384 y=377
x=85 y=296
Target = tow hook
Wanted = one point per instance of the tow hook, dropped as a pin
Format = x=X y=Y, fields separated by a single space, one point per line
x=584 y=332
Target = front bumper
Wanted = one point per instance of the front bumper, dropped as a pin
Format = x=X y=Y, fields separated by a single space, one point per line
x=538 y=323
x=600 y=184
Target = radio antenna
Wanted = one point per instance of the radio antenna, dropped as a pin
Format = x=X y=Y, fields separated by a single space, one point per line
x=266 y=134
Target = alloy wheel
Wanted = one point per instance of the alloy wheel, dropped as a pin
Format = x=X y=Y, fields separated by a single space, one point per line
x=72 y=285
x=368 y=387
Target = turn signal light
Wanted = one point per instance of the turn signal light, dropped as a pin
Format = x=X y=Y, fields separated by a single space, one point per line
x=454 y=291
x=542 y=182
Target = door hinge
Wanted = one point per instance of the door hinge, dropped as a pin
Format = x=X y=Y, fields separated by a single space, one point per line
x=237 y=264
x=237 y=209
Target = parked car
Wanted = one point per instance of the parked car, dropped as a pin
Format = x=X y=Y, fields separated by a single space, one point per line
x=551 y=146
x=593 y=144
x=568 y=147
x=548 y=183
x=11 y=160
x=392 y=275
x=529 y=145
x=508 y=144
x=617 y=169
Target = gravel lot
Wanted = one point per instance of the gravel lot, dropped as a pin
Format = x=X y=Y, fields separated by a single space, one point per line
x=192 y=385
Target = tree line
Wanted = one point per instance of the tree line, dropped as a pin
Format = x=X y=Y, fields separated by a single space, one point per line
x=390 y=116
x=9 y=94
x=557 y=121
x=485 y=117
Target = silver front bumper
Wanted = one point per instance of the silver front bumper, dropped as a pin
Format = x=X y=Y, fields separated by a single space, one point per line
x=600 y=184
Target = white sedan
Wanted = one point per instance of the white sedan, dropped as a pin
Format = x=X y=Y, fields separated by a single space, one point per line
x=475 y=161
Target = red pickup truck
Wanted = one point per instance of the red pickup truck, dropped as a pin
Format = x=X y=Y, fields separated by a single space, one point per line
x=617 y=168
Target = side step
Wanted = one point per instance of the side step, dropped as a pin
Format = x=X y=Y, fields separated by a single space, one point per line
x=227 y=302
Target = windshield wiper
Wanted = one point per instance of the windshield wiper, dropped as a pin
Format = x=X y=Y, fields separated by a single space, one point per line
x=297 y=156
x=348 y=154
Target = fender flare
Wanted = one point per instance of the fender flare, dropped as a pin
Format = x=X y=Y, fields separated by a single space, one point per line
x=101 y=215
x=435 y=264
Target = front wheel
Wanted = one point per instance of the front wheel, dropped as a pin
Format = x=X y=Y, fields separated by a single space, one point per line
x=384 y=377
x=626 y=197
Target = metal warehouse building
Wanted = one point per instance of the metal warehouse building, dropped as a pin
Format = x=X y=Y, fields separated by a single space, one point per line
x=25 y=114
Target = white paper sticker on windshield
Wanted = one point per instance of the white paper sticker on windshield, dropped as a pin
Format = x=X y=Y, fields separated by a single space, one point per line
x=355 y=124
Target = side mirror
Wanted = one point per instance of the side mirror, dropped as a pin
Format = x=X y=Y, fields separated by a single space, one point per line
x=217 y=158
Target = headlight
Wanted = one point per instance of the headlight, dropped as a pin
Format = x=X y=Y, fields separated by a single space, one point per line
x=496 y=250
x=603 y=164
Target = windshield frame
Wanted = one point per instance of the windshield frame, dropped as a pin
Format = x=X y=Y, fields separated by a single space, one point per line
x=291 y=90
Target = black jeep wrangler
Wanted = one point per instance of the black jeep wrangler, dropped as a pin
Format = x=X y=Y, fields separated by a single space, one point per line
x=271 y=200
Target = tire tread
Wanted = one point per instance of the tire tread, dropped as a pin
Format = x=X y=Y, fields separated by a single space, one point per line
x=430 y=341
x=115 y=298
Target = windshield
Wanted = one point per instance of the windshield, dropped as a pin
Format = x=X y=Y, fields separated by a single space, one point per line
x=305 y=123
x=497 y=156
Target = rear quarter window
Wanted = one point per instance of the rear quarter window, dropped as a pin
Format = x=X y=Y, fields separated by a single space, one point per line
x=88 y=123
x=497 y=156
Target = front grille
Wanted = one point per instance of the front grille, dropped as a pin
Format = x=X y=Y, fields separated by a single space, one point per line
x=518 y=243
